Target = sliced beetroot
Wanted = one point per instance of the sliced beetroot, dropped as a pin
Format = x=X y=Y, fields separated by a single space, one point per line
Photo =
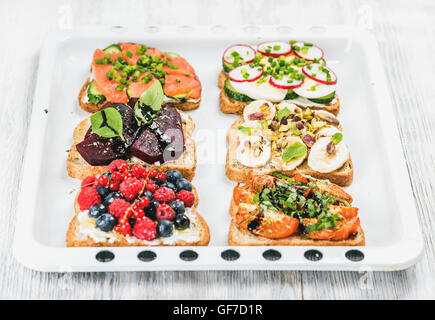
x=147 y=147
x=97 y=150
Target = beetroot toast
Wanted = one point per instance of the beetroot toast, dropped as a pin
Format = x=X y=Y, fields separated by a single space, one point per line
x=256 y=222
x=120 y=220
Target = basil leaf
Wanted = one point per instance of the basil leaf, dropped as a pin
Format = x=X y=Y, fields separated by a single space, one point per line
x=294 y=151
x=284 y=112
x=337 y=137
x=153 y=96
x=107 y=123
x=245 y=130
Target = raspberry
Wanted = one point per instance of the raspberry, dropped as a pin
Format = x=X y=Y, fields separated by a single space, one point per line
x=88 y=181
x=164 y=212
x=88 y=196
x=187 y=197
x=118 y=208
x=117 y=165
x=130 y=188
x=151 y=185
x=161 y=176
x=137 y=170
x=145 y=229
x=164 y=194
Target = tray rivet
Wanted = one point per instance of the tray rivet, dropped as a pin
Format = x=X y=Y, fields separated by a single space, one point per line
x=230 y=255
x=318 y=29
x=354 y=255
x=284 y=29
x=146 y=256
x=105 y=256
x=218 y=28
x=271 y=255
x=251 y=29
x=152 y=29
x=185 y=29
x=313 y=255
x=188 y=255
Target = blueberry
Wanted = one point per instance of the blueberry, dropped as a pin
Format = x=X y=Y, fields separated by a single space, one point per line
x=112 y=196
x=169 y=185
x=106 y=222
x=148 y=194
x=150 y=211
x=97 y=210
x=107 y=174
x=183 y=184
x=173 y=176
x=181 y=221
x=178 y=206
x=165 y=228
x=103 y=192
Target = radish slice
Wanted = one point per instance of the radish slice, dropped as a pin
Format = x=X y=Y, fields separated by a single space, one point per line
x=286 y=82
x=245 y=73
x=247 y=53
x=308 y=53
x=320 y=73
x=274 y=48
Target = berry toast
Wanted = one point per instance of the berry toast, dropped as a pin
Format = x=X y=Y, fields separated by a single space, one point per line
x=136 y=206
x=123 y=71
x=297 y=211
x=293 y=71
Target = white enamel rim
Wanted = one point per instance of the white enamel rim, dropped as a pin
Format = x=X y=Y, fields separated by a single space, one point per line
x=35 y=255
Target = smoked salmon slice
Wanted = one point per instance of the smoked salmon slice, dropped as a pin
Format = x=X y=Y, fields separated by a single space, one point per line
x=176 y=85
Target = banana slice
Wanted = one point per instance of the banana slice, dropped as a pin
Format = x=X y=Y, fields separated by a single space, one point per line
x=280 y=164
x=321 y=161
x=327 y=132
x=253 y=151
x=259 y=110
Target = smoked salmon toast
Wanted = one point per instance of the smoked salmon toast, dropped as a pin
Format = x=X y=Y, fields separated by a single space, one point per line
x=125 y=70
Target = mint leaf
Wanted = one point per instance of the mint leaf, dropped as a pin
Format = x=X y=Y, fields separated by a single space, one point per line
x=245 y=130
x=284 y=112
x=337 y=137
x=294 y=151
x=107 y=123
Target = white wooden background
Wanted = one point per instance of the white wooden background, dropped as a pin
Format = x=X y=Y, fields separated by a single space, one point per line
x=405 y=31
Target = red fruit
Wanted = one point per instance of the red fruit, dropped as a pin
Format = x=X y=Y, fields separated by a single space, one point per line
x=161 y=176
x=145 y=229
x=117 y=228
x=137 y=170
x=144 y=202
x=125 y=227
x=164 y=194
x=118 y=165
x=187 y=197
x=114 y=186
x=165 y=212
x=88 y=196
x=102 y=181
x=145 y=173
x=139 y=214
x=118 y=208
x=130 y=188
x=151 y=186
x=88 y=181
x=153 y=173
x=116 y=176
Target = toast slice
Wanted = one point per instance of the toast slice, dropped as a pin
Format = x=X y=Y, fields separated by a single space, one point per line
x=229 y=105
x=241 y=237
x=74 y=238
x=78 y=168
x=237 y=172
x=93 y=107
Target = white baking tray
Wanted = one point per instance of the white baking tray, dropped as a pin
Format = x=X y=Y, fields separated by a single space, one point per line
x=381 y=186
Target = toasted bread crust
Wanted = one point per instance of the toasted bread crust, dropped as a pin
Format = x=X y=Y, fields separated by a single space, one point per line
x=92 y=107
x=240 y=237
x=228 y=105
x=75 y=239
x=238 y=172
x=78 y=168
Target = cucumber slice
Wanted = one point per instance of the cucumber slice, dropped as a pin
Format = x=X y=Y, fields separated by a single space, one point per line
x=226 y=66
x=233 y=94
x=291 y=95
x=94 y=96
x=112 y=48
x=324 y=99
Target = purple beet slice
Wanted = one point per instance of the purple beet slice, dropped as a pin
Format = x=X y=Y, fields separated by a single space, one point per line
x=147 y=147
x=97 y=150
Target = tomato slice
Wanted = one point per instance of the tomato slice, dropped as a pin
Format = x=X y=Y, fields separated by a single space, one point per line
x=334 y=190
x=299 y=178
x=242 y=195
x=257 y=182
x=341 y=231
